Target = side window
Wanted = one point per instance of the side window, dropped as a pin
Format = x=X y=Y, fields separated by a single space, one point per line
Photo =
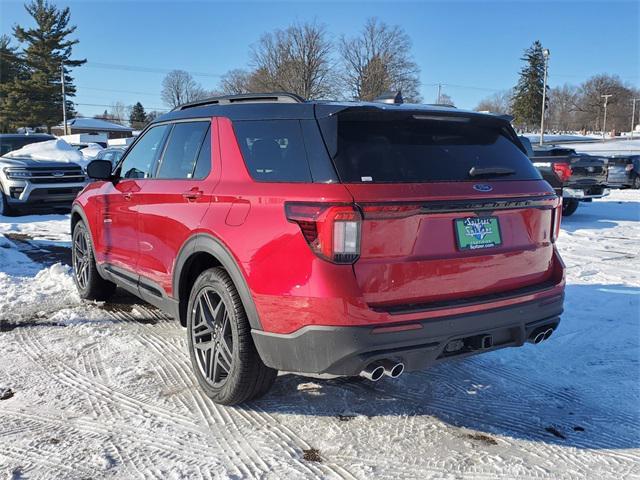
x=184 y=143
x=273 y=150
x=141 y=158
x=203 y=164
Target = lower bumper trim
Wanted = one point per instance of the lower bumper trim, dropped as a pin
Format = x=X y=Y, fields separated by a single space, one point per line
x=340 y=350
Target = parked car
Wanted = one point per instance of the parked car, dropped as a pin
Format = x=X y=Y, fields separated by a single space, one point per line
x=325 y=237
x=583 y=177
x=624 y=171
x=112 y=154
x=15 y=141
x=548 y=173
x=27 y=184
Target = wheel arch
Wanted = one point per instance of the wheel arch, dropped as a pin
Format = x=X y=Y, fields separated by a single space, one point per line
x=199 y=253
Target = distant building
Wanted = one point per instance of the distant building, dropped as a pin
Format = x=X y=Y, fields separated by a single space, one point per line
x=94 y=126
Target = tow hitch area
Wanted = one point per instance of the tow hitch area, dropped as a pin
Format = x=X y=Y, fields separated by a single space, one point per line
x=468 y=344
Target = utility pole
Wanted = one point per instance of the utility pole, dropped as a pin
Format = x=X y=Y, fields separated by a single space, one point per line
x=545 y=54
x=633 y=117
x=604 y=121
x=64 y=100
x=439 y=90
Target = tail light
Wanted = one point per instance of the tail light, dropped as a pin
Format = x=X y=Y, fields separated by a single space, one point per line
x=332 y=231
x=556 y=218
x=563 y=171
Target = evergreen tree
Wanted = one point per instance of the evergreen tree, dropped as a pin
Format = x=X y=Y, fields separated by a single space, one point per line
x=11 y=68
x=138 y=117
x=527 y=97
x=36 y=98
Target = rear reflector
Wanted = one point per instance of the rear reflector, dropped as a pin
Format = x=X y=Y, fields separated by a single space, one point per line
x=332 y=231
x=397 y=328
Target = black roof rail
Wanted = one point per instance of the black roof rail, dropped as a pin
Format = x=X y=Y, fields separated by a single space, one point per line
x=274 y=97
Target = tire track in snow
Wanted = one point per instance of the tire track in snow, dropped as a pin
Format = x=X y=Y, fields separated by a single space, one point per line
x=144 y=411
x=177 y=361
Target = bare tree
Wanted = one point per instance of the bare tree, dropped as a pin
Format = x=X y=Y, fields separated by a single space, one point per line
x=379 y=60
x=235 y=81
x=499 y=102
x=446 y=100
x=297 y=60
x=589 y=104
x=561 y=110
x=179 y=87
x=118 y=113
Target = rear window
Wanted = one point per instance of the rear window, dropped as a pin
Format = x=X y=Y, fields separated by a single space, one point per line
x=273 y=150
x=390 y=148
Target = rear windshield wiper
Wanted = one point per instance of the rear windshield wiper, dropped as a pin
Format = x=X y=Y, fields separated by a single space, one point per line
x=492 y=171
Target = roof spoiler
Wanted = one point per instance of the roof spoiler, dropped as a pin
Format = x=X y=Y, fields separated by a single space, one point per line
x=274 y=97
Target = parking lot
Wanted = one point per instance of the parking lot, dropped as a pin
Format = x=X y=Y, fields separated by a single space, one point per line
x=92 y=391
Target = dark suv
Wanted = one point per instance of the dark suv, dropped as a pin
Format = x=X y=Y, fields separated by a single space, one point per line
x=323 y=237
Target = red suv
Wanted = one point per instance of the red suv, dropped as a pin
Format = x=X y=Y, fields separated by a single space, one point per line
x=325 y=237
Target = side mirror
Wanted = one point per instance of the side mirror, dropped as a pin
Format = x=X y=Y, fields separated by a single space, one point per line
x=99 y=169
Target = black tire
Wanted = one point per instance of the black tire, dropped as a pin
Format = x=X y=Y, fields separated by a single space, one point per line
x=90 y=285
x=218 y=331
x=5 y=209
x=636 y=182
x=569 y=206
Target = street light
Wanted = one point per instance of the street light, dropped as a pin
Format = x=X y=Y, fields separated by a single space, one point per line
x=604 y=122
x=633 y=116
x=545 y=54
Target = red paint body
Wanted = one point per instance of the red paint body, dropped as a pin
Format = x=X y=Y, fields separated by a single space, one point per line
x=141 y=225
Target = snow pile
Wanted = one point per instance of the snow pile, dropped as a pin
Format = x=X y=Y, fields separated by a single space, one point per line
x=25 y=298
x=52 y=150
x=91 y=152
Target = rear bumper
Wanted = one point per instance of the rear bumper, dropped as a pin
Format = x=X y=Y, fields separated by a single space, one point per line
x=347 y=350
x=597 y=191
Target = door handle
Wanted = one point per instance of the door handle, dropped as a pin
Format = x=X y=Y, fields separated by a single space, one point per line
x=192 y=195
x=127 y=196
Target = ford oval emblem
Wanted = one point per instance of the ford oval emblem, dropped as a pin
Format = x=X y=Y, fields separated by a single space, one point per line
x=481 y=187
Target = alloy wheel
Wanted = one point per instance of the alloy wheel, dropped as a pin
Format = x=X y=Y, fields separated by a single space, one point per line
x=212 y=337
x=81 y=258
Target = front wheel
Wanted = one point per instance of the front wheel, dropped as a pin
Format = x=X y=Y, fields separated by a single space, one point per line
x=223 y=355
x=636 y=182
x=5 y=209
x=91 y=286
x=569 y=206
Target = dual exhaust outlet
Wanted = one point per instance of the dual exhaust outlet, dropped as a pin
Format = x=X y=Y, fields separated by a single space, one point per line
x=376 y=370
x=540 y=335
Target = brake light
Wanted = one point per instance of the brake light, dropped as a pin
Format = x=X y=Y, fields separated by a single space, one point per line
x=563 y=171
x=332 y=231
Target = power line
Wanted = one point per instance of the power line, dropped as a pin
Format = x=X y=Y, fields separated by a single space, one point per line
x=133 y=68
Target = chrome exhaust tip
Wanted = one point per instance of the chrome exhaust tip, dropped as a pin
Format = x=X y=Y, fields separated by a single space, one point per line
x=392 y=369
x=548 y=333
x=373 y=372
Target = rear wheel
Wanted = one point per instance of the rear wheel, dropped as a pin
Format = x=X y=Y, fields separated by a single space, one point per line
x=223 y=355
x=569 y=206
x=636 y=182
x=91 y=286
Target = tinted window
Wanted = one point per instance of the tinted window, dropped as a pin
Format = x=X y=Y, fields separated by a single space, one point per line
x=416 y=148
x=203 y=165
x=143 y=154
x=273 y=150
x=184 y=143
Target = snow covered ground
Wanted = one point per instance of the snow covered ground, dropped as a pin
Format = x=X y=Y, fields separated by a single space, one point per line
x=106 y=392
